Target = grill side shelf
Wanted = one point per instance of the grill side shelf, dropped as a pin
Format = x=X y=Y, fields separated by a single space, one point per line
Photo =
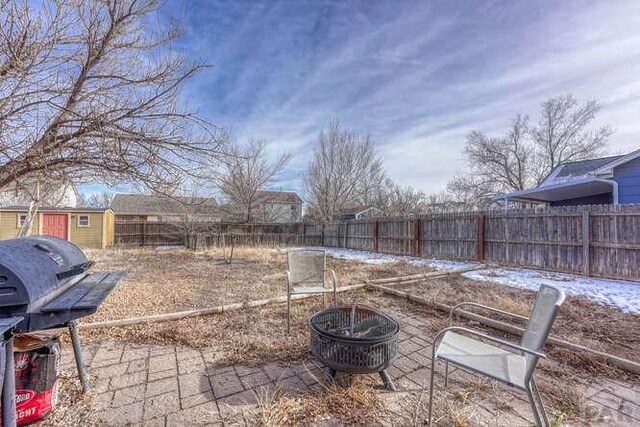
x=86 y=294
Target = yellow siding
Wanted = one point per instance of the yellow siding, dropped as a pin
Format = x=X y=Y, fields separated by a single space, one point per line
x=86 y=237
x=9 y=224
x=110 y=228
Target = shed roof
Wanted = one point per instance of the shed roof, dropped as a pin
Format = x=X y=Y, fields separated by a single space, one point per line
x=18 y=208
x=144 y=204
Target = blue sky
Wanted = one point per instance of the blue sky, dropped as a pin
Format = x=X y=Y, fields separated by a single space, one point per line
x=416 y=75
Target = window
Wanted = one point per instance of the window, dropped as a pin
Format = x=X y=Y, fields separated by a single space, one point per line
x=83 y=220
x=21 y=219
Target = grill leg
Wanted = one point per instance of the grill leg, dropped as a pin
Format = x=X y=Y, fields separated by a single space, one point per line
x=77 y=352
x=9 y=388
x=386 y=379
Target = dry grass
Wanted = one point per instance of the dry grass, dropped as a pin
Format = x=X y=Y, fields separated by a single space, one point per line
x=580 y=320
x=357 y=404
x=164 y=281
x=249 y=336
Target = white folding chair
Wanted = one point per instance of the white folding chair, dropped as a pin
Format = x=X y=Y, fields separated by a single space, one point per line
x=306 y=270
x=514 y=365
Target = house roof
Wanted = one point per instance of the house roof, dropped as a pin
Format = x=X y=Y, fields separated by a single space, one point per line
x=577 y=179
x=578 y=169
x=155 y=204
x=277 y=197
x=574 y=189
x=583 y=167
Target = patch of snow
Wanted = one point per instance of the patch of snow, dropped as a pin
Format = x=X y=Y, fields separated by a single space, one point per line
x=378 y=258
x=169 y=247
x=618 y=293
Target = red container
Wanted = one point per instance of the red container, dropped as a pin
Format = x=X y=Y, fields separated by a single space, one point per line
x=36 y=371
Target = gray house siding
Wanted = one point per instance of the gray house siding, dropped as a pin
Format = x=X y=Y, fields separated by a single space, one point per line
x=628 y=177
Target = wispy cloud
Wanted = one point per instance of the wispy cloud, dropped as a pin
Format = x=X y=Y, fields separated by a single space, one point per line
x=416 y=75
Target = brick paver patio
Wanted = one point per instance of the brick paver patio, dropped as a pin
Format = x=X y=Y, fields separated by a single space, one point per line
x=171 y=386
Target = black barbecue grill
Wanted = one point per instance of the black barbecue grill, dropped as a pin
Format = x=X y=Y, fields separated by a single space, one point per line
x=44 y=281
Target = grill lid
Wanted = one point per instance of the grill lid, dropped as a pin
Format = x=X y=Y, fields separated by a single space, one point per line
x=44 y=280
x=32 y=268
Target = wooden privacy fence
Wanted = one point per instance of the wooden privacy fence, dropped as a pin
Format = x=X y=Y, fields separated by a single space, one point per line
x=602 y=241
x=211 y=234
x=595 y=240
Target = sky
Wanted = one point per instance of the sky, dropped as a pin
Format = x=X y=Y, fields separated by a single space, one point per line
x=417 y=76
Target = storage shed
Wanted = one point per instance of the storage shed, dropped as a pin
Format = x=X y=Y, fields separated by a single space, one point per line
x=86 y=227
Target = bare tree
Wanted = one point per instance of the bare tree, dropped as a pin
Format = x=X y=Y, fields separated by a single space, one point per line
x=404 y=201
x=562 y=135
x=504 y=161
x=89 y=93
x=525 y=155
x=468 y=192
x=342 y=164
x=247 y=171
x=96 y=200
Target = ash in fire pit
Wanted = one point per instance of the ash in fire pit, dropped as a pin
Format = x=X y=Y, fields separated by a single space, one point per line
x=355 y=339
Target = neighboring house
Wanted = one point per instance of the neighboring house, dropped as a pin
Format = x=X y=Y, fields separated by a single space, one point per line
x=160 y=208
x=56 y=194
x=371 y=212
x=277 y=206
x=606 y=180
x=86 y=227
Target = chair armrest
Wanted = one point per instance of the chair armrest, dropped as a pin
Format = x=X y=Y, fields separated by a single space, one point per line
x=485 y=307
x=487 y=337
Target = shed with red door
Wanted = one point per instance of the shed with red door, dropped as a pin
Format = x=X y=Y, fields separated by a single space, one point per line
x=86 y=227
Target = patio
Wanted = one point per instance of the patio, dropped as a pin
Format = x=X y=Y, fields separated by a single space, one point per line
x=174 y=385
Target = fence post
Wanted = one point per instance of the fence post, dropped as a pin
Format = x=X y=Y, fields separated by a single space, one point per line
x=322 y=235
x=586 y=244
x=374 y=226
x=417 y=235
x=346 y=231
x=144 y=233
x=480 y=238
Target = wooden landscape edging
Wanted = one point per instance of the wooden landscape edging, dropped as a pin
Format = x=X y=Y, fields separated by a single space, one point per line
x=619 y=362
x=195 y=313
x=256 y=303
x=626 y=364
x=401 y=280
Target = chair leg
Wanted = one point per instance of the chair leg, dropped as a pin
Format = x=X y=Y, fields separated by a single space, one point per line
x=335 y=297
x=534 y=407
x=539 y=400
x=446 y=374
x=288 y=313
x=431 y=383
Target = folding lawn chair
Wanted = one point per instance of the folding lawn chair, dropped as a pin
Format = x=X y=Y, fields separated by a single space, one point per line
x=306 y=270
x=514 y=366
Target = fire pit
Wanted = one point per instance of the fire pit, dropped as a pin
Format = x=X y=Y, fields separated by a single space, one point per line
x=356 y=340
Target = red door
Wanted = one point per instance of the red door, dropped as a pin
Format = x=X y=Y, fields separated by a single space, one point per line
x=54 y=225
